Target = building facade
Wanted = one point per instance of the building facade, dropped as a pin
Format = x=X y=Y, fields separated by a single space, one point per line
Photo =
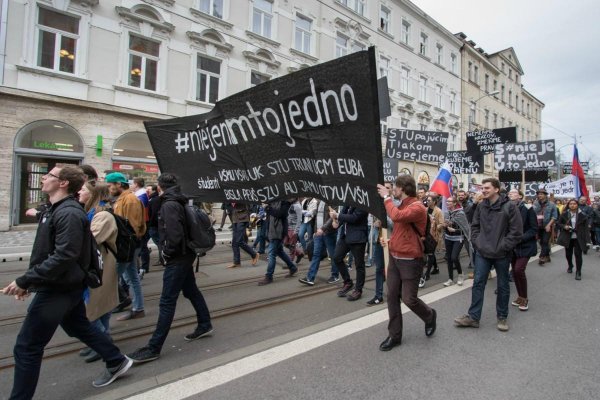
x=79 y=77
x=494 y=97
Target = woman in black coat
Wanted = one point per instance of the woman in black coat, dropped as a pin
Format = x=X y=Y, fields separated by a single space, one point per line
x=573 y=235
x=524 y=250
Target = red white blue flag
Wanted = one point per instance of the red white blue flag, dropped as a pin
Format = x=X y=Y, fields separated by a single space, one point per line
x=577 y=170
x=442 y=184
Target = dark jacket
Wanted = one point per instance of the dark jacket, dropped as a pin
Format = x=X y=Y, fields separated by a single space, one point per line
x=496 y=229
x=468 y=209
x=172 y=225
x=278 y=224
x=581 y=229
x=153 y=210
x=240 y=213
x=60 y=251
x=528 y=245
x=354 y=225
x=595 y=218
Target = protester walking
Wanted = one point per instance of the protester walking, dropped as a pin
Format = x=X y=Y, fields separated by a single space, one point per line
x=526 y=249
x=406 y=252
x=573 y=236
x=496 y=230
x=456 y=233
x=178 y=275
x=57 y=270
x=240 y=215
x=436 y=216
x=547 y=215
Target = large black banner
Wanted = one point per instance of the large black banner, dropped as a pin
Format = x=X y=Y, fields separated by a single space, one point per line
x=311 y=133
x=516 y=176
x=537 y=155
x=410 y=145
x=463 y=162
x=390 y=170
x=484 y=141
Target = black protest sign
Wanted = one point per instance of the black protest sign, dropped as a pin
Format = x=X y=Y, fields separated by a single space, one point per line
x=410 y=145
x=463 y=162
x=312 y=133
x=390 y=169
x=516 y=176
x=537 y=155
x=484 y=141
x=567 y=167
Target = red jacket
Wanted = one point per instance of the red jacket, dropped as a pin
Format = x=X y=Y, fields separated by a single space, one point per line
x=405 y=243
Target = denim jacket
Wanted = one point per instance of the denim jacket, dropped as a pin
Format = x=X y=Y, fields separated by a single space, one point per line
x=551 y=212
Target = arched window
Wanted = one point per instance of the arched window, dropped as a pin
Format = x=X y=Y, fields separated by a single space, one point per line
x=48 y=136
x=132 y=154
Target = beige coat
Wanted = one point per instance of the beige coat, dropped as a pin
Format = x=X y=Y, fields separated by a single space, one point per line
x=437 y=226
x=106 y=297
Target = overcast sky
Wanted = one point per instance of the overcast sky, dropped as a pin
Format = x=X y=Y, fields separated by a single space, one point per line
x=558 y=45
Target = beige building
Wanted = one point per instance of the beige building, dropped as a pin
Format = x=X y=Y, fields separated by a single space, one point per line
x=79 y=77
x=494 y=97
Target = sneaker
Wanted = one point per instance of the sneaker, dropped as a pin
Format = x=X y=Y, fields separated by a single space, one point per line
x=110 y=374
x=122 y=305
x=292 y=272
x=502 y=325
x=422 y=282
x=92 y=357
x=449 y=282
x=265 y=281
x=143 y=354
x=132 y=315
x=333 y=279
x=305 y=281
x=355 y=295
x=345 y=289
x=375 y=301
x=198 y=333
x=85 y=352
x=141 y=274
x=466 y=322
x=517 y=302
x=524 y=306
x=460 y=280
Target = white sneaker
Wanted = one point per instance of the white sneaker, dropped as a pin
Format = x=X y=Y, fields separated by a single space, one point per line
x=460 y=280
x=422 y=282
x=449 y=282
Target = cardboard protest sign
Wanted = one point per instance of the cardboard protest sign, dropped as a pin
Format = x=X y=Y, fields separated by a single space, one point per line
x=516 y=176
x=410 y=145
x=484 y=141
x=390 y=170
x=312 y=133
x=463 y=162
x=537 y=155
x=563 y=188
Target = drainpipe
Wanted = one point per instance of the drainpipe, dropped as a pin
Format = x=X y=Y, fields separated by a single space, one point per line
x=3 y=26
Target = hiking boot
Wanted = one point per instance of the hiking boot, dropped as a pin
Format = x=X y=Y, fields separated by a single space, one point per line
x=198 y=333
x=305 y=281
x=375 y=301
x=517 y=302
x=143 y=354
x=524 y=306
x=132 y=315
x=109 y=375
x=466 y=322
x=502 y=325
x=265 y=281
x=333 y=279
x=345 y=289
x=355 y=295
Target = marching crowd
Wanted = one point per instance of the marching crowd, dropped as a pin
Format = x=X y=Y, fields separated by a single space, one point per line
x=498 y=230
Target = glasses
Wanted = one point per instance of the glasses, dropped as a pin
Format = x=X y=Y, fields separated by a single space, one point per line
x=50 y=174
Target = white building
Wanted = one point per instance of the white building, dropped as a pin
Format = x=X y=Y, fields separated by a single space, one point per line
x=78 y=77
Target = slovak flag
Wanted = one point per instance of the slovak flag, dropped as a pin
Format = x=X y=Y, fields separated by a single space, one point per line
x=580 y=187
x=442 y=184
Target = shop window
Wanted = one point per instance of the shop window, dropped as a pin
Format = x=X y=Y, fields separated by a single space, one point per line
x=51 y=136
x=133 y=155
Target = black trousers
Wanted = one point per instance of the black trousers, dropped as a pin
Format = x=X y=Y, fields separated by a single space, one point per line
x=358 y=251
x=574 y=248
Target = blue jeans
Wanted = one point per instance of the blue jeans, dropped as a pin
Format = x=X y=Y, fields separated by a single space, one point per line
x=128 y=270
x=276 y=250
x=320 y=243
x=482 y=269
x=46 y=312
x=238 y=241
x=261 y=237
x=178 y=277
x=305 y=229
x=103 y=323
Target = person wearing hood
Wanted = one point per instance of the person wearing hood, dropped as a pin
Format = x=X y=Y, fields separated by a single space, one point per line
x=178 y=274
x=456 y=230
x=525 y=249
x=496 y=230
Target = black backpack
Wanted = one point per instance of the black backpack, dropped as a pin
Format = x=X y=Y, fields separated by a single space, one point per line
x=93 y=273
x=127 y=240
x=429 y=242
x=201 y=236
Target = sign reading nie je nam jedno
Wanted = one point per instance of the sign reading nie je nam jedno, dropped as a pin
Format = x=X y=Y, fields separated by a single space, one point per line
x=311 y=133
x=536 y=155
